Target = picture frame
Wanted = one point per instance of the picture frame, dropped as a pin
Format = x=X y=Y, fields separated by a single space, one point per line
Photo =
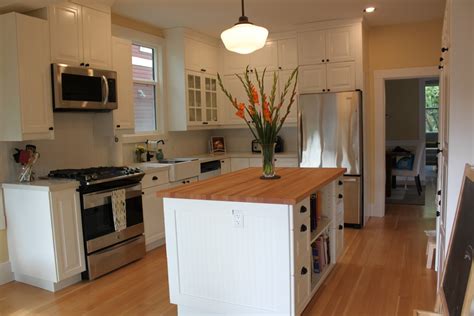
x=217 y=144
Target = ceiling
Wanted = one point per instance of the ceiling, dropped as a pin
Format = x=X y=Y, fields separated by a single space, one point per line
x=213 y=16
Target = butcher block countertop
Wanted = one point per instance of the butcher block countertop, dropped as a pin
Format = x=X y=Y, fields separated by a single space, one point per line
x=246 y=186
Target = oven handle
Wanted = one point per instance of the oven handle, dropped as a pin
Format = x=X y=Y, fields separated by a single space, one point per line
x=131 y=191
x=106 y=85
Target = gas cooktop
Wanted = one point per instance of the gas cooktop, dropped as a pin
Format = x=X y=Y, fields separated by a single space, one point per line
x=89 y=176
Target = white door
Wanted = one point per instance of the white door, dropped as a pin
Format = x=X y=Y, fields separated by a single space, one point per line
x=234 y=87
x=225 y=166
x=34 y=78
x=239 y=163
x=153 y=216
x=311 y=47
x=65 y=23
x=341 y=77
x=194 y=98
x=266 y=57
x=209 y=58
x=234 y=63
x=283 y=76
x=287 y=54
x=193 y=54
x=312 y=79
x=122 y=63
x=97 y=34
x=67 y=232
x=286 y=162
x=210 y=100
x=339 y=45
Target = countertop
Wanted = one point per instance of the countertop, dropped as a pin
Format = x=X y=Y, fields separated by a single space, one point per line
x=43 y=185
x=245 y=154
x=246 y=186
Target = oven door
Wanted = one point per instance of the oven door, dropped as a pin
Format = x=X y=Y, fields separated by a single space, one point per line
x=98 y=221
x=76 y=88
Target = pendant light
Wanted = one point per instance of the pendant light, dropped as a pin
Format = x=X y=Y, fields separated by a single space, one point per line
x=244 y=37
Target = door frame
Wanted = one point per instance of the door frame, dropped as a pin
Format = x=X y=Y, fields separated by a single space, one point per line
x=380 y=76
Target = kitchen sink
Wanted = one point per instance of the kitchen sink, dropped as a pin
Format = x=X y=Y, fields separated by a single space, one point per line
x=180 y=168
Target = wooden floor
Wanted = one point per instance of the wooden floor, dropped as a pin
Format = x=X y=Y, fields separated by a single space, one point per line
x=382 y=272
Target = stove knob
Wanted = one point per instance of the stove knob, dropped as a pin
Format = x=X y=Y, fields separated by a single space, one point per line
x=87 y=178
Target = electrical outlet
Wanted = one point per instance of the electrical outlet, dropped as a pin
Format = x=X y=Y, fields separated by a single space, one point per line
x=238 y=219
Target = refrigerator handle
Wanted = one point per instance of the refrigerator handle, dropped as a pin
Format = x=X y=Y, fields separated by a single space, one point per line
x=300 y=137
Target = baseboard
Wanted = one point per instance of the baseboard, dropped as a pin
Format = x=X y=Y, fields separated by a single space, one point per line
x=48 y=285
x=6 y=274
x=155 y=244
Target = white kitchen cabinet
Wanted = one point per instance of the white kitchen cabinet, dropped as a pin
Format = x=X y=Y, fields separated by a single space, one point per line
x=340 y=76
x=200 y=56
x=45 y=240
x=79 y=35
x=255 y=162
x=266 y=57
x=234 y=63
x=202 y=99
x=326 y=46
x=225 y=166
x=283 y=76
x=124 y=115
x=287 y=54
x=235 y=87
x=239 y=163
x=312 y=79
x=153 y=217
x=286 y=162
x=25 y=80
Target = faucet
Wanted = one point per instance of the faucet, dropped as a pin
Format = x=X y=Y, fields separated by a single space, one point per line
x=149 y=153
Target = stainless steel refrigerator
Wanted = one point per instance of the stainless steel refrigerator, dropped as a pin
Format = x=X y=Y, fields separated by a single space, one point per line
x=330 y=135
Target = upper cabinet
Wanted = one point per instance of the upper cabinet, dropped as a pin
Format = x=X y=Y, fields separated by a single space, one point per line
x=326 y=46
x=124 y=115
x=200 y=56
x=287 y=54
x=26 y=112
x=80 y=36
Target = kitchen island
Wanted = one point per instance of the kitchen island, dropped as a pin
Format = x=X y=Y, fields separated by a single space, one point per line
x=240 y=245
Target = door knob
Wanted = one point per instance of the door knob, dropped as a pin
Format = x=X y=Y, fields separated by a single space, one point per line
x=303 y=209
x=303 y=228
x=304 y=271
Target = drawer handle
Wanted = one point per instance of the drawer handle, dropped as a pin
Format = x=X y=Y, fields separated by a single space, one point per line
x=303 y=228
x=340 y=196
x=303 y=209
x=154 y=178
x=341 y=227
x=304 y=270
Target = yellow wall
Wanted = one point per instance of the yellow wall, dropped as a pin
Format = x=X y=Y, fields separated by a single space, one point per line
x=136 y=25
x=402 y=101
x=3 y=246
x=397 y=46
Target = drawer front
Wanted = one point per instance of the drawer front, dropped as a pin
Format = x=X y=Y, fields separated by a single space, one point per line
x=302 y=237
x=301 y=212
x=155 y=178
x=302 y=284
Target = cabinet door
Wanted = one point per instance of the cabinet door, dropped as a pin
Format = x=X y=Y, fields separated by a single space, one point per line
x=34 y=78
x=200 y=56
x=235 y=87
x=153 y=216
x=239 y=163
x=234 y=63
x=67 y=232
x=65 y=23
x=97 y=35
x=210 y=100
x=312 y=79
x=286 y=162
x=266 y=57
x=122 y=63
x=311 y=47
x=255 y=162
x=209 y=58
x=341 y=77
x=339 y=45
x=287 y=54
x=283 y=77
x=194 y=98
x=225 y=166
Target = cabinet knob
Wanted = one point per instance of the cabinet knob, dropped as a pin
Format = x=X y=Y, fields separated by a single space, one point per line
x=205 y=123
x=441 y=59
x=203 y=70
x=280 y=68
x=340 y=196
x=438 y=214
x=439 y=192
x=439 y=151
x=329 y=90
x=303 y=228
x=327 y=60
x=183 y=182
x=444 y=49
x=51 y=128
x=304 y=270
x=87 y=65
x=188 y=181
x=118 y=126
x=154 y=178
x=324 y=90
x=222 y=161
x=82 y=64
x=143 y=193
x=303 y=209
x=439 y=202
x=322 y=60
x=440 y=67
x=340 y=182
x=341 y=227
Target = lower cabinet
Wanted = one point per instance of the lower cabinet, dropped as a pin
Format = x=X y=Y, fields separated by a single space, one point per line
x=239 y=163
x=45 y=240
x=153 y=216
x=243 y=163
x=225 y=165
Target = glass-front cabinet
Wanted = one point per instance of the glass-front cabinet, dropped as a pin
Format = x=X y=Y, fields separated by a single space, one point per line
x=201 y=99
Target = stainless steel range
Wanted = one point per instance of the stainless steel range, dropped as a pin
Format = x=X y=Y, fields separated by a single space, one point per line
x=108 y=248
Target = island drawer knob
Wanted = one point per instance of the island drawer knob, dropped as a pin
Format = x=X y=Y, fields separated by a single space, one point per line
x=303 y=228
x=341 y=227
x=303 y=209
x=154 y=178
x=304 y=270
x=340 y=196
x=340 y=182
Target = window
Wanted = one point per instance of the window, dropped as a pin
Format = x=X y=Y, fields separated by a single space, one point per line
x=144 y=88
x=432 y=106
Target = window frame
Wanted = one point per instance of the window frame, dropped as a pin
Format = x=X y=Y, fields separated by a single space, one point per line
x=159 y=46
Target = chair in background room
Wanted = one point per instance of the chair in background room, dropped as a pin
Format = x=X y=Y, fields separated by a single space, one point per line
x=415 y=171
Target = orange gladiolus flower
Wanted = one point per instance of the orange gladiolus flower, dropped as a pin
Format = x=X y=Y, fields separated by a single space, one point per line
x=241 y=111
x=254 y=95
x=267 y=115
x=252 y=110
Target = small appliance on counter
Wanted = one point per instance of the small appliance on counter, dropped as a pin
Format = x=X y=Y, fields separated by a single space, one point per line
x=279 y=147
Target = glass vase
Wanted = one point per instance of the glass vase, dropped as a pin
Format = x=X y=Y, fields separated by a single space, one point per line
x=268 y=161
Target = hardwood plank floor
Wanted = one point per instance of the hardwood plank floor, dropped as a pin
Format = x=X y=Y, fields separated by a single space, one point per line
x=382 y=272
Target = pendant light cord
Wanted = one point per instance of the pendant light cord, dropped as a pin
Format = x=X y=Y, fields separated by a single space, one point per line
x=243 y=8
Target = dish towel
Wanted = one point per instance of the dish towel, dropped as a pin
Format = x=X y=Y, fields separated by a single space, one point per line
x=119 y=209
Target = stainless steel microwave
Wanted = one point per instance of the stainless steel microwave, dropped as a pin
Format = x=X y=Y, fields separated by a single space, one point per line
x=79 y=88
